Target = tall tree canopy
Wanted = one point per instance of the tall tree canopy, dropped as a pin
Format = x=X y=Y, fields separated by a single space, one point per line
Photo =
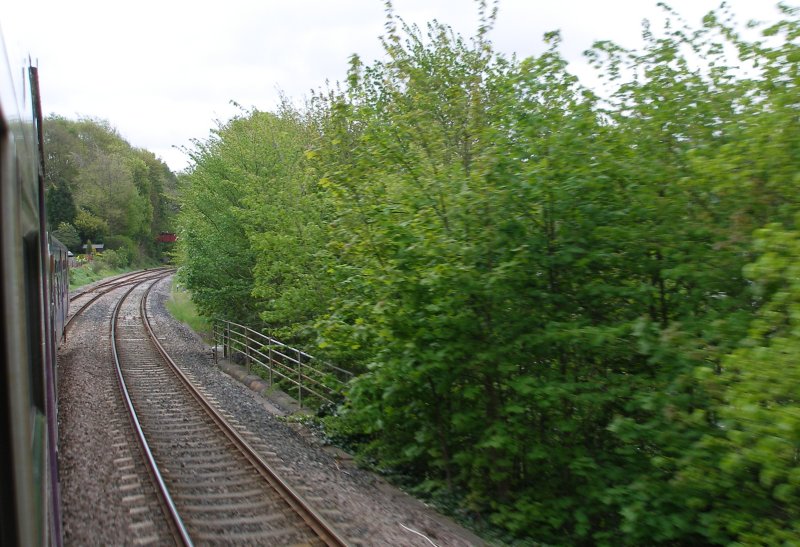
x=253 y=224
x=105 y=189
x=573 y=314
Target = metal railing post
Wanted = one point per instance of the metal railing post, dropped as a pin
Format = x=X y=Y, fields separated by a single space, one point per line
x=271 y=361
x=226 y=336
x=246 y=349
x=299 y=379
x=216 y=344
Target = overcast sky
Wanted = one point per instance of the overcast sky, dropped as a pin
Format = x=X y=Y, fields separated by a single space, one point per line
x=162 y=72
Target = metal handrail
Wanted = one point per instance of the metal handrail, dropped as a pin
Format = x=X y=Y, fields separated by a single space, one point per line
x=312 y=376
x=276 y=342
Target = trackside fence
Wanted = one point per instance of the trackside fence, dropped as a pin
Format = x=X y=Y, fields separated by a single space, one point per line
x=311 y=377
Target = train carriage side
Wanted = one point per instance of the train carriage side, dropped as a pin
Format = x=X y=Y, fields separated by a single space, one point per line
x=29 y=508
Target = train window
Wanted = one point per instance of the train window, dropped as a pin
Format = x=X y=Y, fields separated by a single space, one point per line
x=32 y=274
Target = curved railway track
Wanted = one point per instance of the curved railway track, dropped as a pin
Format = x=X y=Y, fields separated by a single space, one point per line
x=215 y=487
x=118 y=281
x=130 y=510
x=101 y=289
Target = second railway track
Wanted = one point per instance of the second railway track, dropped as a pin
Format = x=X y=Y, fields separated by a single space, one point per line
x=223 y=492
x=87 y=297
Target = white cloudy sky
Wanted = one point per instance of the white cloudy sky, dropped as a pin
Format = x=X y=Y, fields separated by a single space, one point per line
x=163 y=71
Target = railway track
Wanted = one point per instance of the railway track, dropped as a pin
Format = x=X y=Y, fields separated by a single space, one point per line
x=87 y=297
x=118 y=281
x=130 y=510
x=214 y=486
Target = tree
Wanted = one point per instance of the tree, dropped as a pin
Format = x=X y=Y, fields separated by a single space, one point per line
x=253 y=170
x=216 y=257
x=90 y=226
x=68 y=235
x=556 y=306
x=90 y=167
x=60 y=204
x=741 y=477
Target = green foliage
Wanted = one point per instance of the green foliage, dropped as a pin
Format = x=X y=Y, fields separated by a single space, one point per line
x=89 y=273
x=60 y=204
x=744 y=471
x=253 y=225
x=90 y=226
x=78 y=277
x=68 y=235
x=217 y=261
x=555 y=302
x=112 y=259
x=537 y=275
x=105 y=188
x=124 y=246
x=182 y=308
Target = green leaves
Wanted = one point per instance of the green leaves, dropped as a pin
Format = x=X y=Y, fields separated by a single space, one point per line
x=575 y=313
x=759 y=410
x=104 y=188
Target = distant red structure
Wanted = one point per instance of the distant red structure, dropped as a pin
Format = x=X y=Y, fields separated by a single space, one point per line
x=167 y=237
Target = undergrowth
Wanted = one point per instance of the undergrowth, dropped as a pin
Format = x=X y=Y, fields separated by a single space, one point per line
x=83 y=275
x=182 y=308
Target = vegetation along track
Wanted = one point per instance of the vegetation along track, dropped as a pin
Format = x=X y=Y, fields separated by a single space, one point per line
x=214 y=485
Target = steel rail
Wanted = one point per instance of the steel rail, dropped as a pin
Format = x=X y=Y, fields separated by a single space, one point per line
x=115 y=284
x=179 y=529
x=313 y=519
x=120 y=280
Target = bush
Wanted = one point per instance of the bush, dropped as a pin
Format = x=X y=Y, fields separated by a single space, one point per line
x=125 y=245
x=68 y=235
x=112 y=259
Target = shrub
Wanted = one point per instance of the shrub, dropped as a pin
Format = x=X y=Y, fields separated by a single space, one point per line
x=123 y=245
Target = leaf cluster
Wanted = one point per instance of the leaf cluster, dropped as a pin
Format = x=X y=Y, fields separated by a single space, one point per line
x=572 y=313
x=102 y=188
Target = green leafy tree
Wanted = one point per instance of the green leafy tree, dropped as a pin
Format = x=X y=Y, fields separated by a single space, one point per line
x=60 y=204
x=741 y=477
x=286 y=224
x=68 y=235
x=90 y=226
x=216 y=257
x=537 y=275
x=90 y=167
x=124 y=246
x=268 y=224
x=545 y=293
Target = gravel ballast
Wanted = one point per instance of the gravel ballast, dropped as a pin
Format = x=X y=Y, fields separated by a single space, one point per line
x=360 y=504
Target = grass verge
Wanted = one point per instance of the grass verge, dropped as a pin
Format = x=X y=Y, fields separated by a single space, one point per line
x=182 y=308
x=83 y=275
